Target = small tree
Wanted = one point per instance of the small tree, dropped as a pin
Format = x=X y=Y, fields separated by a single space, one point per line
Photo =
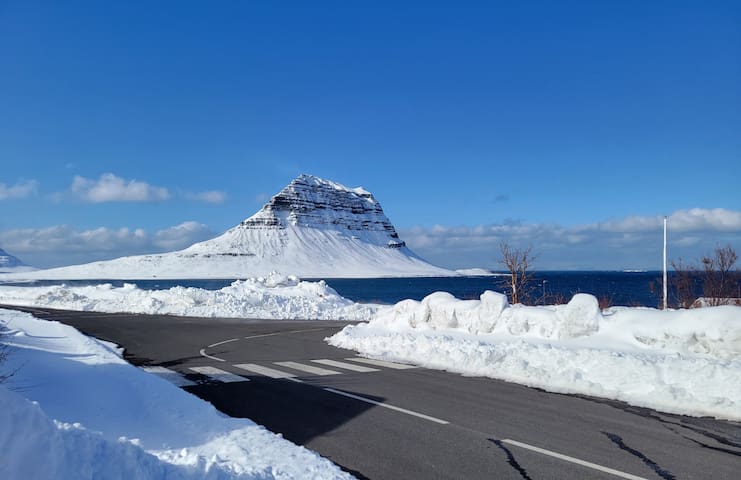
x=721 y=278
x=517 y=261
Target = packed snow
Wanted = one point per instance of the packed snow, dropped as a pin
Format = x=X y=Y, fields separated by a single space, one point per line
x=678 y=361
x=273 y=297
x=76 y=409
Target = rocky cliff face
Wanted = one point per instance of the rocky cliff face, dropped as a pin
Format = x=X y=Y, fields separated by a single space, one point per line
x=310 y=201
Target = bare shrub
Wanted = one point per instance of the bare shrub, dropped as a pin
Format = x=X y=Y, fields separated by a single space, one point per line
x=519 y=282
x=559 y=299
x=683 y=283
x=717 y=278
x=720 y=278
x=605 y=301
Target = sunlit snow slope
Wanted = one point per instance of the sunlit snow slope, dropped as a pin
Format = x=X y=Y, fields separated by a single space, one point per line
x=312 y=228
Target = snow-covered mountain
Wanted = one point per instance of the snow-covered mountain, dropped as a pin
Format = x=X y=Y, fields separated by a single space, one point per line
x=313 y=228
x=11 y=264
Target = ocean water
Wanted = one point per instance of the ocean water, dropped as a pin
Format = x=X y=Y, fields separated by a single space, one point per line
x=614 y=288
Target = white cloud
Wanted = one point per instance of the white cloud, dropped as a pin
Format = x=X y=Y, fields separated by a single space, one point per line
x=697 y=219
x=65 y=245
x=181 y=236
x=21 y=189
x=211 y=196
x=111 y=188
x=692 y=220
x=632 y=242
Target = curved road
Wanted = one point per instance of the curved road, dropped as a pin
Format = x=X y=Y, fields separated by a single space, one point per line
x=385 y=421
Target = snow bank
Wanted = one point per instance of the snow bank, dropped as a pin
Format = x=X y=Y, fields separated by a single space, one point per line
x=272 y=297
x=82 y=412
x=684 y=361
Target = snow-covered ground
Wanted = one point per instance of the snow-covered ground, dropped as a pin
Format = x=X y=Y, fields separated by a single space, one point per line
x=273 y=297
x=76 y=409
x=683 y=361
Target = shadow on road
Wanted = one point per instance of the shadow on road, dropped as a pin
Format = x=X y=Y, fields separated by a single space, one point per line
x=284 y=406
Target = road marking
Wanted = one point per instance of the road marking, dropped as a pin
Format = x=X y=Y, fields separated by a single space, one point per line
x=282 y=333
x=583 y=463
x=386 y=405
x=170 y=375
x=263 y=335
x=204 y=354
x=308 y=368
x=347 y=366
x=268 y=372
x=222 y=343
x=218 y=374
x=381 y=363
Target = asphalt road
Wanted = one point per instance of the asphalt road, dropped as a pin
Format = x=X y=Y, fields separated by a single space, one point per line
x=413 y=423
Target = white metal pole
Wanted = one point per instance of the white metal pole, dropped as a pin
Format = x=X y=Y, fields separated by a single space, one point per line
x=665 y=289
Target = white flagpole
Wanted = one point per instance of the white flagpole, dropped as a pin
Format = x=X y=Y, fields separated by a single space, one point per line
x=665 y=290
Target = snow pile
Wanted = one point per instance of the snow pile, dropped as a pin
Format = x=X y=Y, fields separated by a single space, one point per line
x=684 y=361
x=272 y=297
x=89 y=414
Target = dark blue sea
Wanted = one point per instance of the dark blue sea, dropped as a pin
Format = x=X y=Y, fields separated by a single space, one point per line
x=612 y=288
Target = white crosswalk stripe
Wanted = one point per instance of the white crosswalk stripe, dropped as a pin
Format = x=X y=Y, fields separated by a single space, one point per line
x=346 y=366
x=381 y=363
x=268 y=372
x=219 y=375
x=170 y=375
x=228 y=377
x=308 y=368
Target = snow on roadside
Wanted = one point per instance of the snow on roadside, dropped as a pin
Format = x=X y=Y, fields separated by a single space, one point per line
x=76 y=409
x=274 y=297
x=684 y=361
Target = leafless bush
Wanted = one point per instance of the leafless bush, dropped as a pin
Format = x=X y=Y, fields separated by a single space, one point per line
x=718 y=275
x=721 y=278
x=559 y=299
x=519 y=282
x=605 y=301
x=683 y=283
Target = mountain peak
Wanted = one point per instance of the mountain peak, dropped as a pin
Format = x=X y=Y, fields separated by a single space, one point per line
x=314 y=202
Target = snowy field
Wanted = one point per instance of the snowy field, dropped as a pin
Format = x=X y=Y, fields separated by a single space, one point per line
x=276 y=297
x=76 y=409
x=684 y=361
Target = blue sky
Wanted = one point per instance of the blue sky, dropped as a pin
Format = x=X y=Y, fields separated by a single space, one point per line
x=138 y=126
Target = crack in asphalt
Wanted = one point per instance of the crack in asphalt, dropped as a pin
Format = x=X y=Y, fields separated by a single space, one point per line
x=511 y=459
x=617 y=440
x=733 y=441
x=710 y=447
